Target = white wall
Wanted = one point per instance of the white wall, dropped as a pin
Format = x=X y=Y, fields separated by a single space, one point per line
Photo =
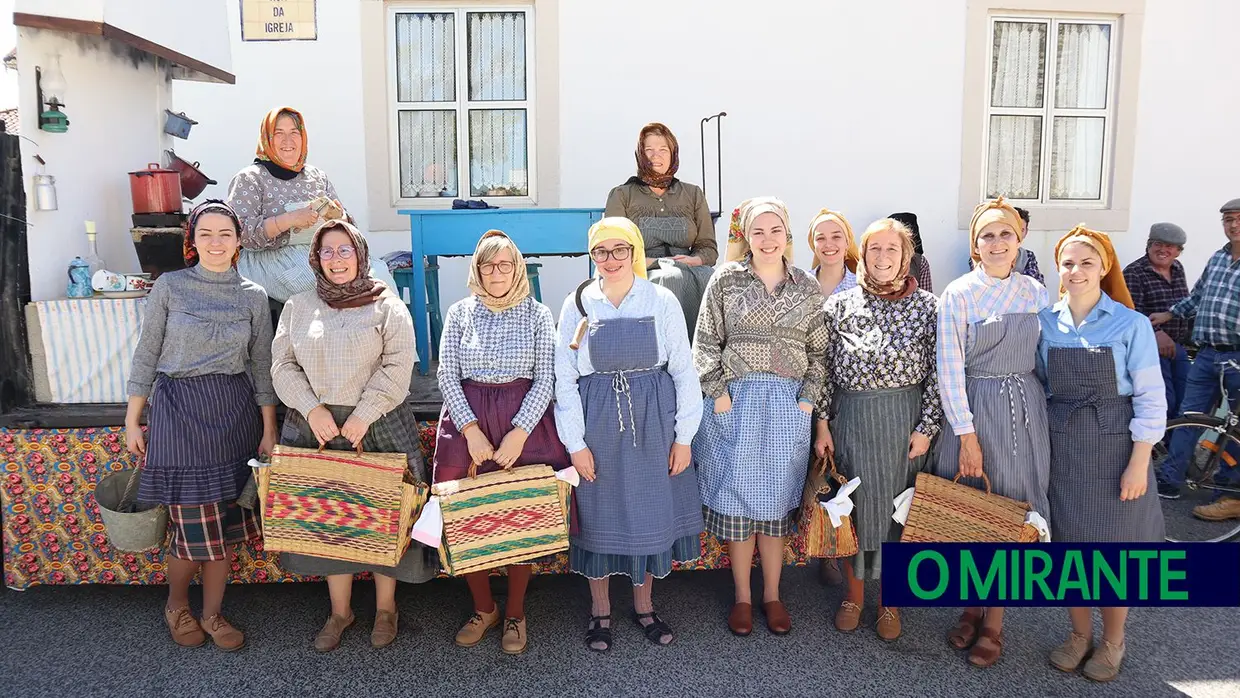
x=116 y=119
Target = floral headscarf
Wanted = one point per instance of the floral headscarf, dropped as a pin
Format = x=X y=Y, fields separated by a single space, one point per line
x=188 y=250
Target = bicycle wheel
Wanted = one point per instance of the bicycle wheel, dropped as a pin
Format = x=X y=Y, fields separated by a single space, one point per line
x=1200 y=487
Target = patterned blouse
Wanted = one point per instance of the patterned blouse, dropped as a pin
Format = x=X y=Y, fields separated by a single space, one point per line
x=873 y=344
x=744 y=329
x=256 y=196
x=356 y=356
x=972 y=298
x=481 y=345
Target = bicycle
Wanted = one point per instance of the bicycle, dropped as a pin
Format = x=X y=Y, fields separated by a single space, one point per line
x=1217 y=444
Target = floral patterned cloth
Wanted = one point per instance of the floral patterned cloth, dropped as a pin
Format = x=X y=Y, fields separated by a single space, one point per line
x=875 y=344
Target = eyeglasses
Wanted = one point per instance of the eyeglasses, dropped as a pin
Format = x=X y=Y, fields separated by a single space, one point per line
x=491 y=267
x=619 y=254
x=343 y=252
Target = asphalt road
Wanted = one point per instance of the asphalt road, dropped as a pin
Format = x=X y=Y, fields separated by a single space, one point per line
x=111 y=641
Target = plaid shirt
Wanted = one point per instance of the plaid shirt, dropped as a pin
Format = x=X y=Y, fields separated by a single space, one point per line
x=1215 y=301
x=1153 y=293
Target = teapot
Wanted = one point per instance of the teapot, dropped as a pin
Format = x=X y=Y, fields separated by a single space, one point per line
x=79 y=279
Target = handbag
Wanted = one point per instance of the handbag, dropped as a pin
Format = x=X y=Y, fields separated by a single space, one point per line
x=341 y=505
x=945 y=511
x=822 y=539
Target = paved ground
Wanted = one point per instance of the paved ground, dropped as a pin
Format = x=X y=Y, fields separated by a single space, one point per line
x=110 y=641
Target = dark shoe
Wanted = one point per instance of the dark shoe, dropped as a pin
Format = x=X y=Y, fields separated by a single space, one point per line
x=829 y=572
x=777 y=619
x=655 y=630
x=596 y=634
x=1167 y=490
x=740 y=620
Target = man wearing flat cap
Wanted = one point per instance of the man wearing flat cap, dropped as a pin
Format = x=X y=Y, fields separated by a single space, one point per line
x=1215 y=306
x=1157 y=282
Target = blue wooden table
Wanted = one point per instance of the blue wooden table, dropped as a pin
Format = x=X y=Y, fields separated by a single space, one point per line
x=454 y=233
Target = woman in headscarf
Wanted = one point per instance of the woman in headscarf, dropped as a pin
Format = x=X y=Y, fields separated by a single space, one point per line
x=919 y=266
x=675 y=221
x=204 y=363
x=996 y=407
x=1026 y=261
x=497 y=377
x=880 y=399
x=1099 y=361
x=628 y=403
x=342 y=361
x=759 y=351
x=835 y=252
x=279 y=198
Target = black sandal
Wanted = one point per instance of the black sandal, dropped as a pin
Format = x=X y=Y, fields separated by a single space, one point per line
x=598 y=634
x=656 y=629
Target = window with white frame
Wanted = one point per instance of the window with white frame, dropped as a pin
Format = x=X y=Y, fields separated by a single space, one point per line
x=462 y=102
x=1049 y=114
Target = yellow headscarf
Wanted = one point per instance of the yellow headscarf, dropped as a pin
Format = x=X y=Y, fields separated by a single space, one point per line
x=1112 y=282
x=520 y=289
x=989 y=212
x=620 y=228
x=851 y=254
x=743 y=217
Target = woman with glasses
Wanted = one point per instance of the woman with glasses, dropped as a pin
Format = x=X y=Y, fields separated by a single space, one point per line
x=342 y=360
x=497 y=377
x=628 y=403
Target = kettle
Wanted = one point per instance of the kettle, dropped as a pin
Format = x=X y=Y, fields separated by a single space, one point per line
x=79 y=279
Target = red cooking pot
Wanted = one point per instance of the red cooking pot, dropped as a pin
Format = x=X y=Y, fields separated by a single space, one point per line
x=155 y=190
x=193 y=181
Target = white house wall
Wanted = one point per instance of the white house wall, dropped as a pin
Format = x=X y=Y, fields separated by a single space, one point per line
x=855 y=106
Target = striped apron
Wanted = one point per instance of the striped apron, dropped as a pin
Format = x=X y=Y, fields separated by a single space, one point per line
x=1090 y=448
x=1009 y=411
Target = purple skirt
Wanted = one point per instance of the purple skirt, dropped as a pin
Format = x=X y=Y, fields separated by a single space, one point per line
x=203 y=432
x=495 y=405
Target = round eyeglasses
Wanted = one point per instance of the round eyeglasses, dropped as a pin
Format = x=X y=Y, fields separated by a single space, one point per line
x=343 y=252
x=491 y=267
x=619 y=254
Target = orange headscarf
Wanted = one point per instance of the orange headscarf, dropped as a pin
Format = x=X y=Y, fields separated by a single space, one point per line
x=1112 y=282
x=851 y=255
x=267 y=132
x=989 y=212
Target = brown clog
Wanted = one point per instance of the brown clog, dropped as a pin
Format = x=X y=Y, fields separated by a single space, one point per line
x=987 y=649
x=740 y=620
x=964 y=634
x=777 y=619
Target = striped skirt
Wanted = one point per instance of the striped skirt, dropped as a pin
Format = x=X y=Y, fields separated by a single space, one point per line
x=871 y=433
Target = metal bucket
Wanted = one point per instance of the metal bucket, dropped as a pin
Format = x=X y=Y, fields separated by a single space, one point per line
x=131 y=531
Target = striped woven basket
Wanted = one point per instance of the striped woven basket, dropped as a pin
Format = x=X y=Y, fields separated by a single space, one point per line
x=821 y=538
x=504 y=517
x=339 y=504
x=944 y=511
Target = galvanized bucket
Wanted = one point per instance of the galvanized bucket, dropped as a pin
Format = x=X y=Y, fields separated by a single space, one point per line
x=129 y=528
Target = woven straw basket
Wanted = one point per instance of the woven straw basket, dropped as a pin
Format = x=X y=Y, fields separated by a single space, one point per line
x=944 y=511
x=821 y=538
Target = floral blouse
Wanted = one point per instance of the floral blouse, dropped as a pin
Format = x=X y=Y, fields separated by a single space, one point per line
x=874 y=344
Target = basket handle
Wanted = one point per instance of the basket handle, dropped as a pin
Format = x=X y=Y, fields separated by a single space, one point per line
x=473 y=468
x=323 y=447
x=821 y=464
x=985 y=479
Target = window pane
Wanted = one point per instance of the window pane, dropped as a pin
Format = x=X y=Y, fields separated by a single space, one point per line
x=1076 y=157
x=425 y=57
x=497 y=152
x=1081 y=64
x=496 y=56
x=1018 y=69
x=1013 y=165
x=427 y=153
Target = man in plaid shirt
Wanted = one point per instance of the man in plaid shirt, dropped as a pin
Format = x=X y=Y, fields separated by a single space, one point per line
x=1157 y=282
x=1215 y=304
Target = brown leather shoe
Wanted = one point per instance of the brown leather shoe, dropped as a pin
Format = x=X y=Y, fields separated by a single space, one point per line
x=223 y=634
x=328 y=638
x=777 y=619
x=848 y=617
x=1104 y=665
x=184 y=627
x=889 y=627
x=829 y=572
x=384 y=632
x=514 y=639
x=476 y=627
x=740 y=620
x=988 y=648
x=964 y=634
x=1223 y=509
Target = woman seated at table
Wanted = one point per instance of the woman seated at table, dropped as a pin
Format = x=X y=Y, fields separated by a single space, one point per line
x=274 y=198
x=628 y=403
x=497 y=377
x=204 y=361
x=674 y=219
x=342 y=361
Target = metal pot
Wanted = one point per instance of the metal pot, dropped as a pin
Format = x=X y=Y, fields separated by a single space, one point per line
x=155 y=190
x=193 y=181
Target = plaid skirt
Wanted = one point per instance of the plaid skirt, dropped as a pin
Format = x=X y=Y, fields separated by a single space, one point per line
x=740 y=528
x=208 y=532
